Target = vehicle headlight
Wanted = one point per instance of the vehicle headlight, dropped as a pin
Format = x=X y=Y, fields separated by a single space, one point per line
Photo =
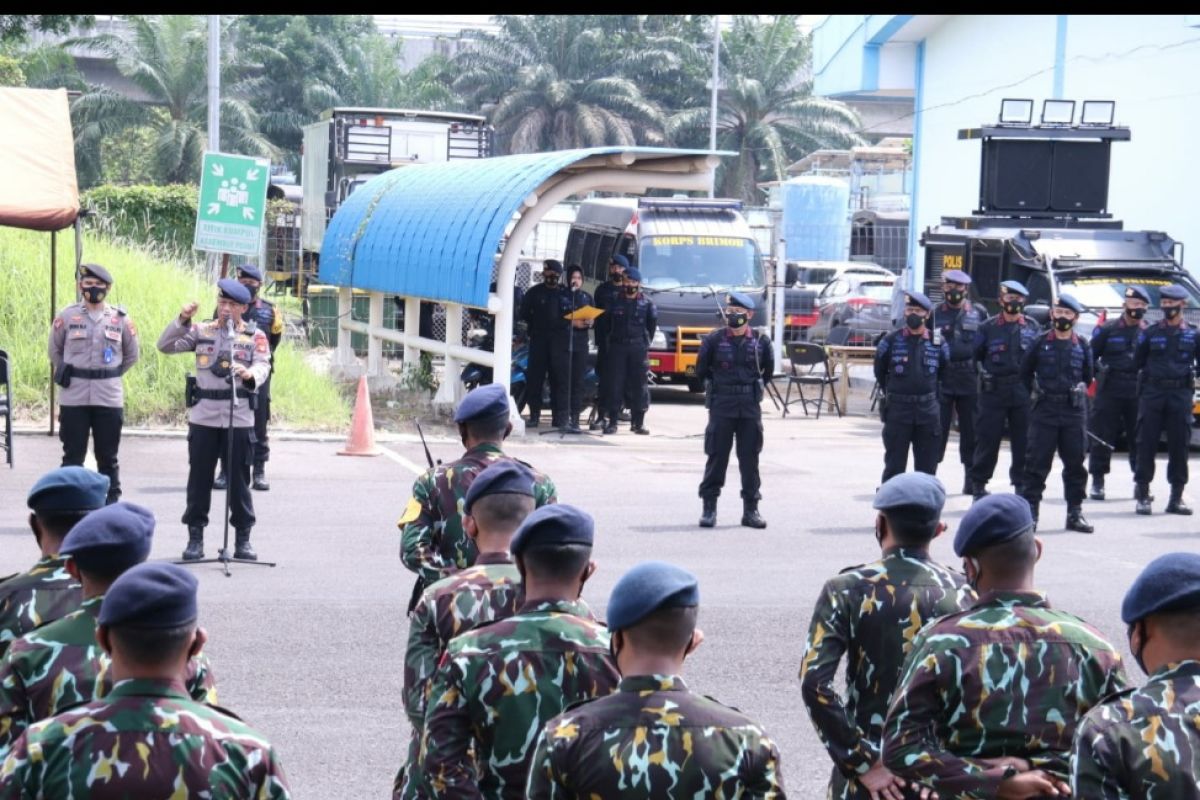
x=659 y=342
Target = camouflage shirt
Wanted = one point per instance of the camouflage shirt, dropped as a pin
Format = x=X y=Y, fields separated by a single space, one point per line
x=1010 y=676
x=433 y=542
x=61 y=665
x=145 y=739
x=488 y=591
x=871 y=613
x=1142 y=744
x=495 y=688
x=31 y=599
x=654 y=738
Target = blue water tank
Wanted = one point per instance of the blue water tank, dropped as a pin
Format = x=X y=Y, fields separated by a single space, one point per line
x=816 y=219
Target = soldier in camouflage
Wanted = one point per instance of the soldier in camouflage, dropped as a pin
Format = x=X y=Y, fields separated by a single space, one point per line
x=871 y=614
x=497 y=685
x=61 y=664
x=654 y=738
x=46 y=592
x=989 y=698
x=499 y=500
x=146 y=738
x=1144 y=743
x=433 y=542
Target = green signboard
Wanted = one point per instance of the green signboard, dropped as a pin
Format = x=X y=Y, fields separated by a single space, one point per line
x=233 y=197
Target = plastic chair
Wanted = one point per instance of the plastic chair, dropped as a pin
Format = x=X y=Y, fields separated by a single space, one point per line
x=812 y=356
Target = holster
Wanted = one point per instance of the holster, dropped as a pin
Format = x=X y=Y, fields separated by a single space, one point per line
x=708 y=394
x=1079 y=396
x=987 y=383
x=757 y=394
x=883 y=404
x=62 y=375
x=191 y=393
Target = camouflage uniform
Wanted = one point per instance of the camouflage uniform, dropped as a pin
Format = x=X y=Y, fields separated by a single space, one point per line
x=654 y=738
x=486 y=592
x=873 y=612
x=43 y=594
x=145 y=739
x=61 y=665
x=433 y=542
x=496 y=687
x=1008 y=677
x=1142 y=743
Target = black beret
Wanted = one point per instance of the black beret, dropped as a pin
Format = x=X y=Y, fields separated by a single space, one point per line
x=154 y=595
x=249 y=271
x=992 y=520
x=95 y=271
x=553 y=525
x=111 y=539
x=68 y=489
x=502 y=477
x=648 y=587
x=232 y=290
x=1136 y=293
x=1170 y=582
x=483 y=402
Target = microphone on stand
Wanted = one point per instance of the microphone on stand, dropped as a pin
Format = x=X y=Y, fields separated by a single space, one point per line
x=232 y=383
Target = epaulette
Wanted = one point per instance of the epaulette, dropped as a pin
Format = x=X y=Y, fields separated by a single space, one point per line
x=723 y=705
x=223 y=710
x=583 y=701
x=121 y=311
x=851 y=569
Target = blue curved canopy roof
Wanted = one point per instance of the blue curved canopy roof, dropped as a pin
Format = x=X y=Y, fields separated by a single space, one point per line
x=433 y=230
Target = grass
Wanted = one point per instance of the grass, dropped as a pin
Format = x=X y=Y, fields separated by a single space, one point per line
x=152 y=288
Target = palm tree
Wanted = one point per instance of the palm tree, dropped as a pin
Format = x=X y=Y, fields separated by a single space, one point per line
x=165 y=57
x=766 y=110
x=377 y=80
x=546 y=83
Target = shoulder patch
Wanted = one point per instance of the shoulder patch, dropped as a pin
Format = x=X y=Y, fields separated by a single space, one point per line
x=58 y=323
x=411 y=512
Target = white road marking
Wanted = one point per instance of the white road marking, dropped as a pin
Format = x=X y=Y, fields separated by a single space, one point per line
x=401 y=460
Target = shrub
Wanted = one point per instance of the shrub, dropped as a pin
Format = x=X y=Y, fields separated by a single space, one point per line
x=163 y=217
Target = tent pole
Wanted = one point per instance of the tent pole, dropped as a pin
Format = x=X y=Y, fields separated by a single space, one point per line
x=53 y=306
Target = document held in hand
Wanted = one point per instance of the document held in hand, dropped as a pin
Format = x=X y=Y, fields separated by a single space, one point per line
x=584 y=312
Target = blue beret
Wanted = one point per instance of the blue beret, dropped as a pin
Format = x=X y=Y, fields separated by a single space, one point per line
x=555 y=524
x=631 y=274
x=620 y=259
x=1136 y=293
x=1173 y=292
x=1016 y=287
x=1170 y=582
x=111 y=539
x=992 y=520
x=483 y=402
x=1070 y=303
x=249 y=271
x=232 y=290
x=154 y=595
x=502 y=477
x=916 y=490
x=917 y=299
x=742 y=300
x=648 y=587
x=957 y=276
x=68 y=489
x=95 y=271
x=552 y=265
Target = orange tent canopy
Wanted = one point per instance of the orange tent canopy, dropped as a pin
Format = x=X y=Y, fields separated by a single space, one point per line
x=37 y=148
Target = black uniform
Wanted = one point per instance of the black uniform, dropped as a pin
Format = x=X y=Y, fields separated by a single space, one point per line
x=632 y=322
x=960 y=382
x=606 y=294
x=1058 y=421
x=576 y=339
x=1167 y=357
x=738 y=368
x=908 y=368
x=542 y=309
x=1115 y=407
x=1000 y=348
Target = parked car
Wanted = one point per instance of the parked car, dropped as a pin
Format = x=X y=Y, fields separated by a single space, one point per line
x=861 y=301
x=815 y=275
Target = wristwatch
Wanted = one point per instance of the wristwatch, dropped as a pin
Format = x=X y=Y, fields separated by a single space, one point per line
x=1009 y=772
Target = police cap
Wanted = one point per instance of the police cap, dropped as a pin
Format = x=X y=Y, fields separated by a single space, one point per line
x=483 y=402
x=232 y=290
x=915 y=491
x=992 y=520
x=1016 y=287
x=1137 y=293
x=742 y=300
x=68 y=489
x=553 y=525
x=155 y=595
x=646 y=588
x=619 y=259
x=957 y=276
x=249 y=271
x=1070 y=303
x=111 y=539
x=917 y=299
x=1169 y=583
x=95 y=271
x=502 y=477
x=1173 y=292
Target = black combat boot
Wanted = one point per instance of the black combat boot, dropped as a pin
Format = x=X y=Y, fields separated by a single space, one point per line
x=574 y=424
x=221 y=482
x=708 y=517
x=1033 y=509
x=1141 y=493
x=597 y=424
x=242 y=547
x=610 y=427
x=1097 y=492
x=978 y=491
x=750 y=515
x=260 y=477
x=195 y=546
x=968 y=486
x=535 y=418
x=1076 y=521
x=637 y=425
x=1176 y=505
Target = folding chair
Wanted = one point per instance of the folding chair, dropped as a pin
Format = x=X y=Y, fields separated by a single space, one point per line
x=812 y=356
x=6 y=405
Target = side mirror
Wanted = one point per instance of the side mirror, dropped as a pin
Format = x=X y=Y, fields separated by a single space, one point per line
x=1039 y=312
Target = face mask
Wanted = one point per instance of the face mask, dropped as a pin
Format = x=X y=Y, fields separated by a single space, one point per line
x=954 y=297
x=1015 y=307
x=1171 y=312
x=253 y=290
x=1137 y=654
x=1136 y=313
x=914 y=321
x=94 y=294
x=1063 y=324
x=550 y=280
x=614 y=276
x=631 y=291
x=974 y=582
x=737 y=319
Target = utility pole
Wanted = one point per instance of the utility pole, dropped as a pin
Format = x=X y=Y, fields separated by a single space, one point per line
x=716 y=76
x=214 y=109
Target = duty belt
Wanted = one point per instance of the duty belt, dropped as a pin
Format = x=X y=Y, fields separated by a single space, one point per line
x=911 y=398
x=1002 y=380
x=1057 y=397
x=96 y=374
x=963 y=363
x=638 y=340
x=719 y=389
x=1162 y=383
x=220 y=394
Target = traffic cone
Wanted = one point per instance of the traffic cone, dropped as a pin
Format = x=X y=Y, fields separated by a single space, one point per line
x=361 y=441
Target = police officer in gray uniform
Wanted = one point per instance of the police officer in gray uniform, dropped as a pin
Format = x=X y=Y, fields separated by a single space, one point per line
x=92 y=344
x=229 y=353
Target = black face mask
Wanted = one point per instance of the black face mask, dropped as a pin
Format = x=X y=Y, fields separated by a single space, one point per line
x=1136 y=313
x=955 y=297
x=1014 y=307
x=1137 y=654
x=94 y=294
x=737 y=319
x=1063 y=324
x=631 y=291
x=550 y=280
x=914 y=321
x=253 y=290
x=1171 y=312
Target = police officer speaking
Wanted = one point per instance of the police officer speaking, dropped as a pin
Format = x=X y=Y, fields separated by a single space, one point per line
x=542 y=310
x=632 y=321
x=734 y=363
x=1168 y=354
x=1115 y=408
x=908 y=368
x=229 y=354
x=1061 y=363
x=958 y=323
x=606 y=294
x=93 y=344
